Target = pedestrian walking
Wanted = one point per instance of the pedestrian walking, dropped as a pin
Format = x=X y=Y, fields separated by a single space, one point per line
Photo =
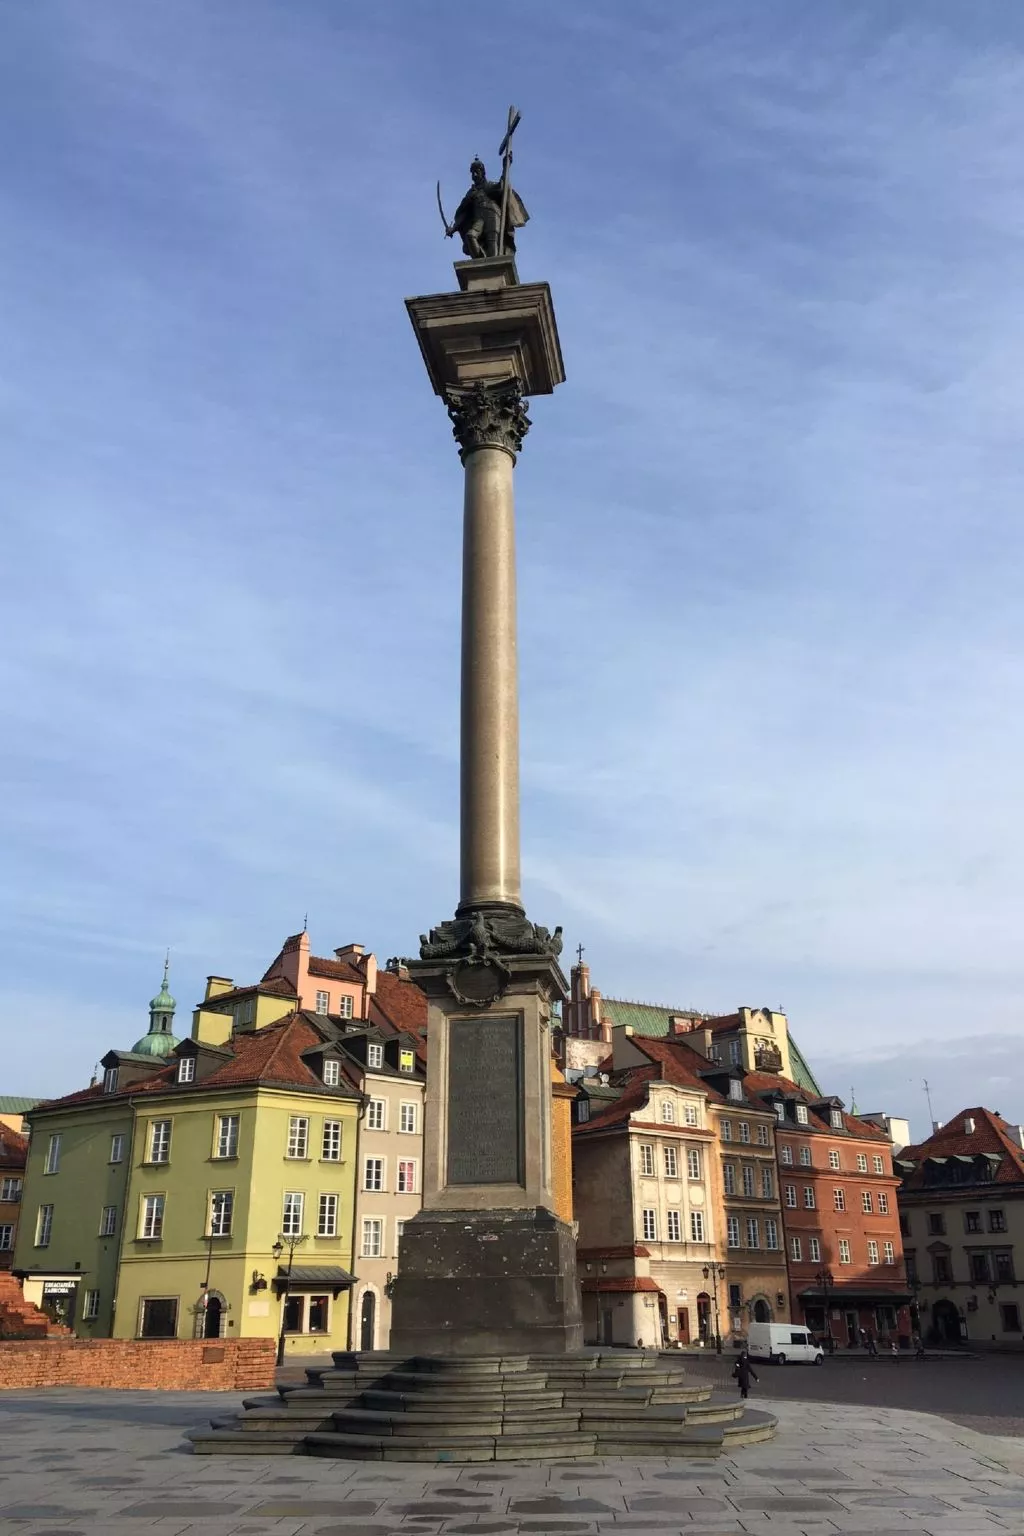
x=743 y=1370
x=918 y=1343
x=894 y=1347
x=872 y=1346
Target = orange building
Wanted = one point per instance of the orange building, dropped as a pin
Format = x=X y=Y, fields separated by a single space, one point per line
x=13 y=1156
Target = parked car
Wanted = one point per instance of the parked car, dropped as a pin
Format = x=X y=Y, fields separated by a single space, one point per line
x=783 y=1344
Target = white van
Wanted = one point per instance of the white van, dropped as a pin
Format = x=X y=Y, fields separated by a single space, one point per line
x=782 y=1343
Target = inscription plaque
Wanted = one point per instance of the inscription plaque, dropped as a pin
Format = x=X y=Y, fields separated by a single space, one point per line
x=485 y=1100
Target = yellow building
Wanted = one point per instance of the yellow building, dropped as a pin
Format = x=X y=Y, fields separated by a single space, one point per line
x=200 y=1189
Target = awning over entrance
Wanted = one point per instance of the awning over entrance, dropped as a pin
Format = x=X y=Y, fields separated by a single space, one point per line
x=854 y=1295
x=609 y=1284
x=314 y=1277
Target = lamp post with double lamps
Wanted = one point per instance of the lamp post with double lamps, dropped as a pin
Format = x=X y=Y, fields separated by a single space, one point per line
x=278 y=1249
x=714 y=1273
x=826 y=1280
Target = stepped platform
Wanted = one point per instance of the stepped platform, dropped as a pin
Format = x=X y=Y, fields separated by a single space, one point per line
x=387 y=1407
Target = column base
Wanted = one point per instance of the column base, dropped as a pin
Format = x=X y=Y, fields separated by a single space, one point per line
x=500 y=1282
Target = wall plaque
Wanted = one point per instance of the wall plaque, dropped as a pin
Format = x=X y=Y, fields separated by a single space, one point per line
x=485 y=1100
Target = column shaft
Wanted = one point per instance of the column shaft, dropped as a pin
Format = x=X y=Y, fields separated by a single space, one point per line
x=490 y=687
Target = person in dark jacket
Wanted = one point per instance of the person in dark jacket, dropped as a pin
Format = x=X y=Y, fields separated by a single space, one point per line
x=743 y=1370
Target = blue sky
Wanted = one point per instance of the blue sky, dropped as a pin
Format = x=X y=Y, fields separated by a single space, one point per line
x=770 y=533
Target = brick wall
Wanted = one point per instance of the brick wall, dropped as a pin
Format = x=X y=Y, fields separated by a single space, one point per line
x=171 y=1365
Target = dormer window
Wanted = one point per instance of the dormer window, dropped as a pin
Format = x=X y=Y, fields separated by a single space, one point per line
x=780 y=1109
x=801 y=1114
x=332 y=1073
x=110 y=1080
x=374 y=1055
x=668 y=1112
x=186 y=1069
x=735 y=1088
x=323 y=1002
x=406 y=1061
x=835 y=1119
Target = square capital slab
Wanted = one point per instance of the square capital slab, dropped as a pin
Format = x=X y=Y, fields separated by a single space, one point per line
x=494 y=330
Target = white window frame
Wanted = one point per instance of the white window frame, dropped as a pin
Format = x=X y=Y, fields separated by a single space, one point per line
x=186 y=1069
x=228 y=1127
x=293 y=1213
x=883 y=1203
x=838 y=1198
x=835 y=1119
x=789 y=1196
x=374 y=1055
x=814 y=1249
x=844 y=1250
x=90 y=1306
x=735 y=1053
x=372 y=1237
x=697 y=1227
x=116 y=1148
x=649 y=1218
x=108 y=1221
x=771 y=1234
x=377 y=1115
x=726 y=1128
x=690 y=1115
x=297 y=1146
x=862 y=1162
x=745 y=1131
x=158 y=1150
x=879 y=1163
x=668 y=1112
x=152 y=1211
x=331 y=1141
x=671 y=1162
x=889 y=1249
x=374 y=1175
x=729 y=1178
x=323 y=1003
x=332 y=1072
x=408 y=1111
x=805 y=1157
x=44 y=1226
x=753 y=1232
x=110 y=1080
x=786 y=1154
x=327 y=1214
x=796 y=1252
x=732 y=1227
x=834 y=1161
x=762 y=1135
x=866 y=1203
x=810 y=1198
x=748 y=1182
x=10 y=1191
x=412 y=1179
x=646 y=1160
x=767 y=1189
x=693 y=1163
x=345 y=1005
x=673 y=1226
x=52 y=1163
x=407 y=1060
x=801 y=1114
x=872 y=1251
x=220 y=1213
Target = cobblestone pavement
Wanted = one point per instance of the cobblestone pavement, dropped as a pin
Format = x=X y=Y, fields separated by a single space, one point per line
x=80 y=1464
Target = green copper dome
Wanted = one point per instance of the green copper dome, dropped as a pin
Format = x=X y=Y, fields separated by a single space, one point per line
x=160 y=1040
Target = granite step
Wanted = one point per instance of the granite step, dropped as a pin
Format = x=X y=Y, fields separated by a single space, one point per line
x=515 y=1402
x=753 y=1426
x=452 y=1448
x=453 y=1420
x=236 y=1442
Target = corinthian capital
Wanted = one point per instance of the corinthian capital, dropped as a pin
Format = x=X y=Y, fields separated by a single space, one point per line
x=488 y=416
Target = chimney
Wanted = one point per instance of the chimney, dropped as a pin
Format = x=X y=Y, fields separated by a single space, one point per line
x=370 y=972
x=217 y=984
x=936 y=1126
x=969 y=1125
x=350 y=952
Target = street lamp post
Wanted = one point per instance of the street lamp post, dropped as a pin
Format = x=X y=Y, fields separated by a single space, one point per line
x=278 y=1249
x=714 y=1273
x=826 y=1280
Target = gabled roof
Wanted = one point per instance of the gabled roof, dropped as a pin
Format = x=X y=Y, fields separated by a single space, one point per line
x=681 y=1064
x=992 y=1136
x=335 y=970
x=402 y=1002
x=770 y=1084
x=276 y=987
x=12 y=1104
x=13 y=1148
x=633 y=1096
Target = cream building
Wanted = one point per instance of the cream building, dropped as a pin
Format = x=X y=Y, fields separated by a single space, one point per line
x=961 y=1209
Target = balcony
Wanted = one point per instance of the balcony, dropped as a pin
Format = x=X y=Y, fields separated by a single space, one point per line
x=767 y=1058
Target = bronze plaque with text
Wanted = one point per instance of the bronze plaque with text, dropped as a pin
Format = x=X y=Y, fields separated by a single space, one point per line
x=485 y=1100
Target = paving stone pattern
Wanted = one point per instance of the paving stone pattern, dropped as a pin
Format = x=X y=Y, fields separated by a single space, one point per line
x=82 y=1464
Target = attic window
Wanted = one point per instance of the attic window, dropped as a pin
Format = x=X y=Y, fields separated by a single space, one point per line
x=735 y=1088
x=836 y=1119
x=323 y=1002
x=582 y=1110
x=110 y=1080
x=332 y=1073
x=186 y=1069
x=374 y=1055
x=801 y=1114
x=345 y=1006
x=780 y=1109
x=406 y=1061
x=969 y=1126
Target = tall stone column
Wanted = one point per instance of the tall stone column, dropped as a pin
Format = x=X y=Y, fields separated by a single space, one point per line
x=488 y=1266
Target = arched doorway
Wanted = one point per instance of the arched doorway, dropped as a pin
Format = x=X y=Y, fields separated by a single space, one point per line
x=945 y=1322
x=212 y=1318
x=367 y=1318
x=704 y=1317
x=762 y=1311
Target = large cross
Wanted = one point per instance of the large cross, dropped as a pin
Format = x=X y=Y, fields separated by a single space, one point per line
x=579 y=953
x=505 y=151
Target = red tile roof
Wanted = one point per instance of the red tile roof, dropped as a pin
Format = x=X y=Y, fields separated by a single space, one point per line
x=335 y=970
x=277 y=987
x=634 y=1095
x=402 y=1002
x=13 y=1148
x=621 y=1251
x=991 y=1134
x=679 y=1063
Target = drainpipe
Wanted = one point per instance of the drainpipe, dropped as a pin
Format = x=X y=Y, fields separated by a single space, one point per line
x=355 y=1204
x=123 y=1228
